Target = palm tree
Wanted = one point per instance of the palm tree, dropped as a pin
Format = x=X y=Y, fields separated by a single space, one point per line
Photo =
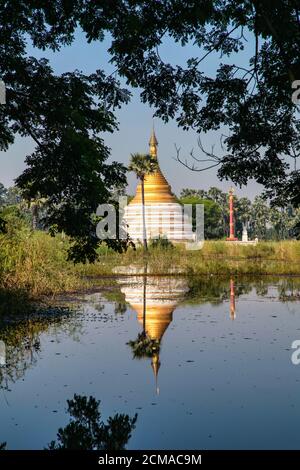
x=35 y=205
x=260 y=212
x=144 y=346
x=220 y=198
x=142 y=165
x=243 y=213
x=243 y=206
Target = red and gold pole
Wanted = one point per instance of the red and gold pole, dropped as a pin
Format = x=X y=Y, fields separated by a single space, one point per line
x=231 y=217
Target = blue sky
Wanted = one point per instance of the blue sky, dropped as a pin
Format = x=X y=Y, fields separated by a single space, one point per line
x=135 y=119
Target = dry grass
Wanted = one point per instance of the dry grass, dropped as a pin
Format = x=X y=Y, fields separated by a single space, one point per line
x=36 y=263
x=216 y=257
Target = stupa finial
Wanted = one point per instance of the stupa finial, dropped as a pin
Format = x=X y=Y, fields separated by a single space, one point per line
x=155 y=363
x=153 y=144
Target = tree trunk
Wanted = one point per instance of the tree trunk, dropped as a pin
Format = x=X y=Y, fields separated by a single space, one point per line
x=144 y=217
x=144 y=299
x=34 y=212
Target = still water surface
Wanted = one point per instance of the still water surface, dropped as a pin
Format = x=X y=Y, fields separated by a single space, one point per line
x=222 y=377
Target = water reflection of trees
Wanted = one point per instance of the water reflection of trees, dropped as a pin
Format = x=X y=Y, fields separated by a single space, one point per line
x=216 y=289
x=289 y=289
x=22 y=340
x=86 y=431
x=212 y=289
x=154 y=300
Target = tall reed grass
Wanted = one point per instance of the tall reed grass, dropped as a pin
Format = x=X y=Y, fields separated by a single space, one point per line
x=35 y=263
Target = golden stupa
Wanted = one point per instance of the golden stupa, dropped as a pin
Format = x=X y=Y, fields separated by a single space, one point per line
x=157 y=189
x=164 y=216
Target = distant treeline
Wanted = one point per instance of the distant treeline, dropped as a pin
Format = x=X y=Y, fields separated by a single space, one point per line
x=258 y=217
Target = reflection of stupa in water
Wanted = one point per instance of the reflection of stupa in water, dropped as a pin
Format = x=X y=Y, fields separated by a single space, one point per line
x=154 y=300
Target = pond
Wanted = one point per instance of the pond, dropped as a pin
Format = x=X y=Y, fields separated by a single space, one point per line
x=216 y=371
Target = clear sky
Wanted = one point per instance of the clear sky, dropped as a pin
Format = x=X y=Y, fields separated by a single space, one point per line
x=135 y=120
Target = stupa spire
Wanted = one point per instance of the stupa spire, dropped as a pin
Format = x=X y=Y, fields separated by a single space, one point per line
x=155 y=364
x=153 y=144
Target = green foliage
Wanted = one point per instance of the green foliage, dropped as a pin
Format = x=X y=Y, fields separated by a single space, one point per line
x=13 y=196
x=161 y=242
x=14 y=301
x=9 y=196
x=260 y=214
x=65 y=114
x=16 y=220
x=36 y=262
x=142 y=164
x=86 y=431
x=144 y=347
x=2 y=226
x=199 y=193
x=212 y=215
x=262 y=220
x=21 y=327
x=253 y=101
x=3 y=194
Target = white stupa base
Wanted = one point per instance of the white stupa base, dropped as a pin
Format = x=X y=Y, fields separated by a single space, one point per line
x=162 y=221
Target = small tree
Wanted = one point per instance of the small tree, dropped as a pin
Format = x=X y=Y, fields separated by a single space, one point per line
x=260 y=213
x=3 y=194
x=86 y=431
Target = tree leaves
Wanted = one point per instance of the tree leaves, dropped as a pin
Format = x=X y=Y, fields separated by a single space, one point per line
x=86 y=431
x=65 y=115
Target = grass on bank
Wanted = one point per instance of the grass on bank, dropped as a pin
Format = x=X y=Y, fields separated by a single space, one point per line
x=35 y=263
x=216 y=257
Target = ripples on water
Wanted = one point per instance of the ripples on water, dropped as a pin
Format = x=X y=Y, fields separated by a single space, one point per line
x=206 y=363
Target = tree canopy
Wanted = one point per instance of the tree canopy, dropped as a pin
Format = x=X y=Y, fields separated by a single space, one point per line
x=253 y=102
x=66 y=114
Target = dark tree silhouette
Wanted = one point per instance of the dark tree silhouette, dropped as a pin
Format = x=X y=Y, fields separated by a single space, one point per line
x=87 y=431
x=65 y=114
